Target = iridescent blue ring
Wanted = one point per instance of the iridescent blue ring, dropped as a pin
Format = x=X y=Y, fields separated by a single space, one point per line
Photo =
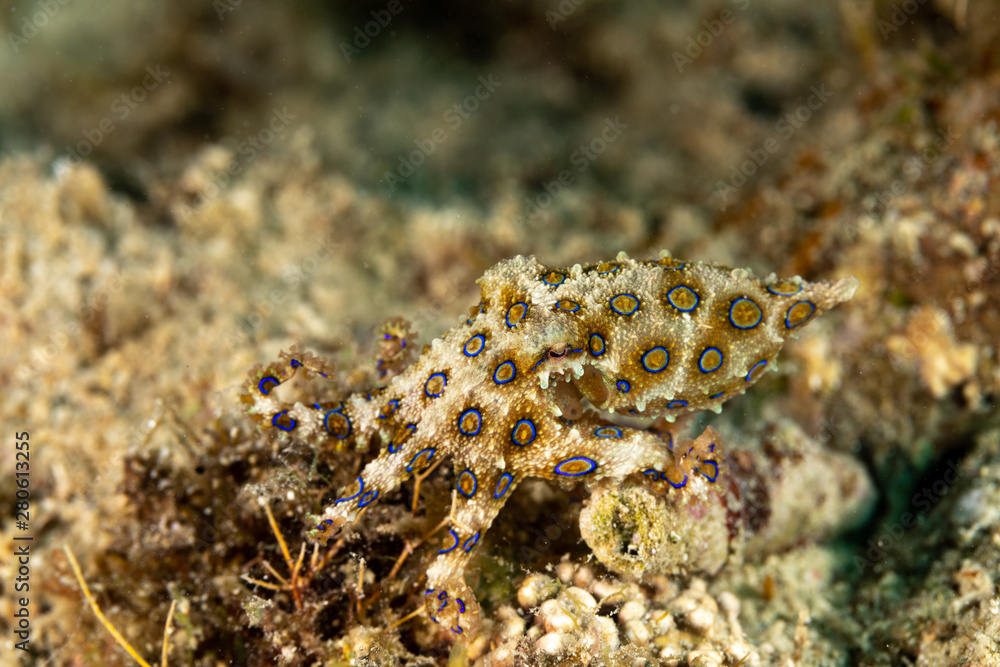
x=674 y=405
x=759 y=364
x=471 y=542
x=479 y=422
x=624 y=311
x=444 y=383
x=608 y=432
x=367 y=498
x=475 y=483
x=526 y=441
x=623 y=386
x=714 y=465
x=683 y=483
x=596 y=344
x=260 y=385
x=444 y=551
x=524 y=314
x=503 y=485
x=361 y=485
x=647 y=364
x=274 y=421
x=326 y=424
x=513 y=372
x=760 y=313
x=480 y=340
x=701 y=360
x=589 y=461
x=413 y=462
x=675 y=295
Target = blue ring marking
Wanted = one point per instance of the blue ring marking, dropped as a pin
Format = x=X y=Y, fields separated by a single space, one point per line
x=503 y=485
x=591 y=462
x=444 y=551
x=260 y=385
x=608 y=432
x=714 y=396
x=520 y=319
x=430 y=454
x=623 y=386
x=560 y=281
x=714 y=465
x=274 y=421
x=386 y=413
x=674 y=405
x=652 y=474
x=683 y=483
x=671 y=297
x=513 y=372
x=701 y=360
x=804 y=319
x=595 y=345
x=393 y=447
x=772 y=290
x=461 y=605
x=666 y=359
x=344 y=500
x=475 y=483
x=471 y=542
x=324 y=524
x=762 y=362
x=568 y=306
x=614 y=267
x=457 y=629
x=480 y=340
x=538 y=363
x=624 y=312
x=295 y=363
x=326 y=423
x=479 y=422
x=528 y=440
x=760 y=313
x=367 y=498
x=444 y=383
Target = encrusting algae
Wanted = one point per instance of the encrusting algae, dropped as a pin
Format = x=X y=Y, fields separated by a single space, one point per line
x=567 y=374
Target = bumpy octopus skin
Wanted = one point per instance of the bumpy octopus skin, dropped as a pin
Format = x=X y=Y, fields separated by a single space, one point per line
x=518 y=390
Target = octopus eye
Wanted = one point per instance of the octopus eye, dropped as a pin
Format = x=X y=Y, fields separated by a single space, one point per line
x=557 y=352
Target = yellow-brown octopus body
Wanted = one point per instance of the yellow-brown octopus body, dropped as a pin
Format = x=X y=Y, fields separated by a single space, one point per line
x=517 y=389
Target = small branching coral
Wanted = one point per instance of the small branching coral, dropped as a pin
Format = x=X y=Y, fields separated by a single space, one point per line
x=551 y=376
